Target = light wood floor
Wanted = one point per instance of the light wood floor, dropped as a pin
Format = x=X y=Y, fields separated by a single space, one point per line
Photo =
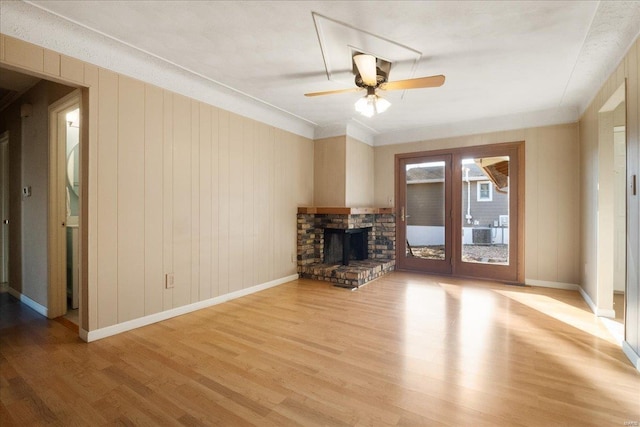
x=406 y=350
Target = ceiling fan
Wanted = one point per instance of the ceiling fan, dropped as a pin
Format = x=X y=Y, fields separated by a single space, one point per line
x=371 y=75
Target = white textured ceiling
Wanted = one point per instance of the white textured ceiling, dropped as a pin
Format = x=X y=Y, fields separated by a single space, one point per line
x=507 y=64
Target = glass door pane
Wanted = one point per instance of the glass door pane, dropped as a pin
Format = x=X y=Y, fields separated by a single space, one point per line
x=425 y=214
x=485 y=210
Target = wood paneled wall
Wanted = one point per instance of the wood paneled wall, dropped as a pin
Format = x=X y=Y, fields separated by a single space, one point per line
x=175 y=186
x=628 y=70
x=330 y=160
x=359 y=173
x=343 y=172
x=552 y=193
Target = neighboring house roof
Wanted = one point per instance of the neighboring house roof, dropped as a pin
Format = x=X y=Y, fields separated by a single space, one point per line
x=434 y=174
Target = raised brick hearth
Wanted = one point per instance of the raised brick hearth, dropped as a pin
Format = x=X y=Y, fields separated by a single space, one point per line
x=381 y=244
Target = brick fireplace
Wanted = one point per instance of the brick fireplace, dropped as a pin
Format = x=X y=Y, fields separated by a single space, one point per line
x=346 y=246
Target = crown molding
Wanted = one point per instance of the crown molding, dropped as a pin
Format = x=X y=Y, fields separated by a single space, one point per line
x=515 y=121
x=30 y=23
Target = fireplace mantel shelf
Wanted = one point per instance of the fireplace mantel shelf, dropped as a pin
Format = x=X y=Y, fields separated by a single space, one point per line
x=343 y=210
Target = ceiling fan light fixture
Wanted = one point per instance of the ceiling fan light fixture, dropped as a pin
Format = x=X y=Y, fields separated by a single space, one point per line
x=365 y=106
x=382 y=104
x=371 y=104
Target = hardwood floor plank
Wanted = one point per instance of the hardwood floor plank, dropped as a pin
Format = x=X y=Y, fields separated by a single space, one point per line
x=405 y=350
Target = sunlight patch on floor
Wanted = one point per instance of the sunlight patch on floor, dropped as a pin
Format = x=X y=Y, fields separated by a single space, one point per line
x=566 y=313
x=615 y=328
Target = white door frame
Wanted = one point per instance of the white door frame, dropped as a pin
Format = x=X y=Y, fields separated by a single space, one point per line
x=4 y=207
x=605 y=235
x=57 y=234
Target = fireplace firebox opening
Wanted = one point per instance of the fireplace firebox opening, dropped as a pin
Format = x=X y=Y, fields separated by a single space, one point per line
x=342 y=245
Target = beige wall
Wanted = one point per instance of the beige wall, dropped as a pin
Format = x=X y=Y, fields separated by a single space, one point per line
x=329 y=171
x=552 y=193
x=175 y=185
x=359 y=174
x=343 y=172
x=591 y=166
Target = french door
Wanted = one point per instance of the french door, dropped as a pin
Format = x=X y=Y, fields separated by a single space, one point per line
x=459 y=212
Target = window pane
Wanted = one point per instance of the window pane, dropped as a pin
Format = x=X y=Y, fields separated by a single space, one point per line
x=425 y=214
x=485 y=218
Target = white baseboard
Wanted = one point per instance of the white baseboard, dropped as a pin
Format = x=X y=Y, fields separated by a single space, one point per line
x=39 y=308
x=626 y=348
x=616 y=329
x=97 y=334
x=631 y=354
x=588 y=299
x=554 y=285
x=600 y=312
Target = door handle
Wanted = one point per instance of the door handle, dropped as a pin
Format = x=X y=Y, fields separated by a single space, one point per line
x=402 y=214
x=5 y=221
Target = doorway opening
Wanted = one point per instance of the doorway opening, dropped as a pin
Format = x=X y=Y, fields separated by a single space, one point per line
x=4 y=209
x=33 y=276
x=612 y=212
x=460 y=211
x=64 y=215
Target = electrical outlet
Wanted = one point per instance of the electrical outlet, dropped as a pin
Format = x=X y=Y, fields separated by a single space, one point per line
x=168 y=281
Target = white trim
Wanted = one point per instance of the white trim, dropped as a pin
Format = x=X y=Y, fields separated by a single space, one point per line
x=425 y=181
x=479 y=197
x=57 y=236
x=97 y=334
x=634 y=358
x=588 y=300
x=517 y=121
x=33 y=23
x=37 y=307
x=329 y=131
x=600 y=312
x=554 y=285
x=361 y=132
x=614 y=100
x=626 y=348
x=615 y=328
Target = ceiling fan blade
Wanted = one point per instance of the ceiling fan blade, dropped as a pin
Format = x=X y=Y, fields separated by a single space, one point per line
x=367 y=67
x=331 y=92
x=420 y=82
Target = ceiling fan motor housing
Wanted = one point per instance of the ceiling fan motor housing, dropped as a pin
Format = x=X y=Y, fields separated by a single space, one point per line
x=381 y=77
